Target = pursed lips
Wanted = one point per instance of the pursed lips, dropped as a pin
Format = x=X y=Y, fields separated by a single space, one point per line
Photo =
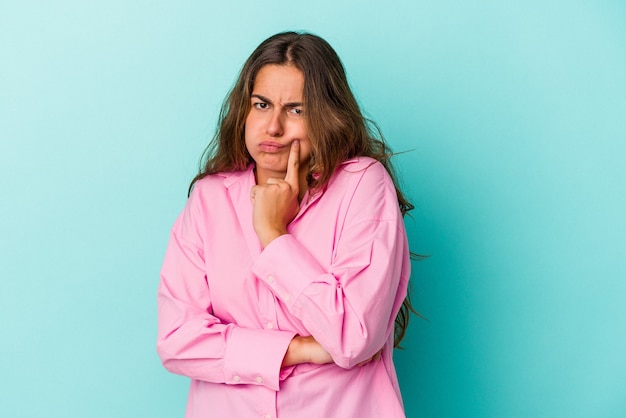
x=271 y=146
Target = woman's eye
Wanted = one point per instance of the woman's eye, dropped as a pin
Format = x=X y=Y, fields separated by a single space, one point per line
x=260 y=105
x=296 y=111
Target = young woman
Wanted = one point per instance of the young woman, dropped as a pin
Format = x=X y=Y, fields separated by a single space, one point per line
x=286 y=273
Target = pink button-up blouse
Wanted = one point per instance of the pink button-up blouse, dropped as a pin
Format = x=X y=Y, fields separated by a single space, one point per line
x=229 y=308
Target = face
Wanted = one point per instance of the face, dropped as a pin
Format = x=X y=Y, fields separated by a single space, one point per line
x=275 y=120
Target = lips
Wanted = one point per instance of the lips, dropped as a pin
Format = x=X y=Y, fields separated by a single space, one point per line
x=271 y=146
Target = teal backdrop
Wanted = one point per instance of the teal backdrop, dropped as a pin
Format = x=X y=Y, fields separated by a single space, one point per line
x=513 y=116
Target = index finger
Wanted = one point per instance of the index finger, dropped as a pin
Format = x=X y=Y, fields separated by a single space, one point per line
x=293 y=164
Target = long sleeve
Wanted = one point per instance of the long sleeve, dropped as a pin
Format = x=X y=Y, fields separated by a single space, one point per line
x=228 y=308
x=349 y=306
x=194 y=342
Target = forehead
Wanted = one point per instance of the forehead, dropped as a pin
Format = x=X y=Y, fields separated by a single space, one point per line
x=279 y=82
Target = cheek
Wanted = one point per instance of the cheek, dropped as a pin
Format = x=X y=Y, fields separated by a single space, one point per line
x=248 y=132
x=305 y=143
x=246 y=137
x=305 y=150
x=247 y=127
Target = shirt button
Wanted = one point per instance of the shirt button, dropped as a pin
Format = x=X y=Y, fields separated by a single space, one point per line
x=259 y=379
x=270 y=325
x=270 y=279
x=237 y=379
x=267 y=416
x=287 y=297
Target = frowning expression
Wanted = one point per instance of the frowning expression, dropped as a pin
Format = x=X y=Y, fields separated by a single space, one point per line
x=276 y=118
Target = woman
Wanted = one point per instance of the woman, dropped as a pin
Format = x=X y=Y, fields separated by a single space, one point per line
x=288 y=267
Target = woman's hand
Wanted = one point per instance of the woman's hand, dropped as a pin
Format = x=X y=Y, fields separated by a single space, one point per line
x=275 y=203
x=308 y=350
x=305 y=350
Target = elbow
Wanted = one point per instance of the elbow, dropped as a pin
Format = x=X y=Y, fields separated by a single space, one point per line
x=168 y=359
x=357 y=353
x=163 y=353
x=167 y=354
x=349 y=361
x=344 y=362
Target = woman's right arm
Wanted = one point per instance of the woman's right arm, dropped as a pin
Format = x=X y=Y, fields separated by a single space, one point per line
x=195 y=343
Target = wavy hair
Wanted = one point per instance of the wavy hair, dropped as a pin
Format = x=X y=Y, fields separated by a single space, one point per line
x=336 y=128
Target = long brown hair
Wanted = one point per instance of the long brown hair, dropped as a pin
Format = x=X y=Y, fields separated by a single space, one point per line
x=336 y=128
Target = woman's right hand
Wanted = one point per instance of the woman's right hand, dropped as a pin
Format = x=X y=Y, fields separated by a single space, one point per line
x=276 y=203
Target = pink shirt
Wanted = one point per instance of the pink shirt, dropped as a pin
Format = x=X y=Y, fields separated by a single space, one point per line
x=228 y=308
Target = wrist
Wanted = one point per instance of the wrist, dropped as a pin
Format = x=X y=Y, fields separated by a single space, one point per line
x=266 y=237
x=294 y=354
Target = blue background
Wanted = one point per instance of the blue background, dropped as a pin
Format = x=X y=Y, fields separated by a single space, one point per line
x=515 y=113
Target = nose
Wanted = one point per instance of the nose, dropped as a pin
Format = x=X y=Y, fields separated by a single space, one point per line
x=275 y=124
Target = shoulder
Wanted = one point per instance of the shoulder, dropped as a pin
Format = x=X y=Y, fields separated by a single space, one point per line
x=213 y=183
x=360 y=162
x=209 y=198
x=213 y=192
x=364 y=171
x=361 y=179
x=366 y=186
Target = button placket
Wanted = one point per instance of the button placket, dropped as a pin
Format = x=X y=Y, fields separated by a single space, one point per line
x=269 y=319
x=267 y=402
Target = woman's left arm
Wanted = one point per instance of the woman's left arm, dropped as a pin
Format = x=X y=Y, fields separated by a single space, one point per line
x=350 y=307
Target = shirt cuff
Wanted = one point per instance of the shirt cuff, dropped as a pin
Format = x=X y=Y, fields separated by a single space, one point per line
x=254 y=356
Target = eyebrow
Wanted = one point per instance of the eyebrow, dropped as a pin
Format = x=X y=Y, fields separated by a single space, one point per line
x=266 y=100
